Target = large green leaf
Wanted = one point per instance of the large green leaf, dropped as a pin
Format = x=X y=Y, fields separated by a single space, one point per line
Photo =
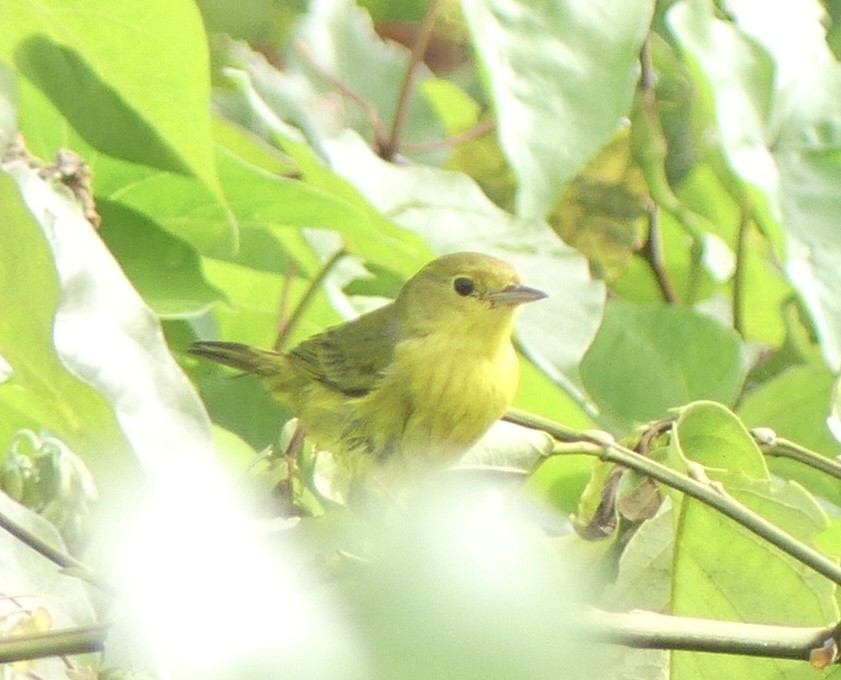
x=181 y=201
x=779 y=132
x=736 y=77
x=648 y=359
x=124 y=103
x=43 y=389
x=107 y=337
x=562 y=74
x=723 y=571
x=378 y=240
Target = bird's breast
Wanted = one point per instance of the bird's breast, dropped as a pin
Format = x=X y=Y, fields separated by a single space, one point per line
x=436 y=400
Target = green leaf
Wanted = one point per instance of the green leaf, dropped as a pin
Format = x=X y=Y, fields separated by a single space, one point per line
x=557 y=71
x=152 y=111
x=723 y=571
x=180 y=204
x=810 y=169
x=780 y=134
x=109 y=338
x=709 y=434
x=259 y=199
x=736 y=76
x=707 y=583
x=385 y=243
x=648 y=359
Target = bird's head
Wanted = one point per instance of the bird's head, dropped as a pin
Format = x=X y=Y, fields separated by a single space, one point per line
x=464 y=291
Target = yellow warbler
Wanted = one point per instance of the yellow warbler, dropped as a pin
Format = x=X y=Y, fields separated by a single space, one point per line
x=414 y=383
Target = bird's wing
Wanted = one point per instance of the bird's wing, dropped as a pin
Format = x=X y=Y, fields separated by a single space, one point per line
x=350 y=358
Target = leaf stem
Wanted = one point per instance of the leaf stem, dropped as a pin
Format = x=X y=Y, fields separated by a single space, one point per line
x=727 y=505
x=649 y=149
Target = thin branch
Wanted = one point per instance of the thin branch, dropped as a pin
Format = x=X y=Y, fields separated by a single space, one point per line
x=315 y=284
x=82 y=640
x=648 y=630
x=739 y=273
x=419 y=47
x=779 y=447
x=706 y=493
x=69 y=565
x=475 y=132
x=283 y=307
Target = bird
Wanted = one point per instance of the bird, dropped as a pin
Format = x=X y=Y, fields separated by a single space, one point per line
x=412 y=385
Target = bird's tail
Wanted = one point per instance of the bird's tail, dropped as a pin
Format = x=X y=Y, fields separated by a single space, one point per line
x=262 y=362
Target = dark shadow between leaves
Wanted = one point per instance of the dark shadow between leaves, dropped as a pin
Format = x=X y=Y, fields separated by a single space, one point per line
x=94 y=110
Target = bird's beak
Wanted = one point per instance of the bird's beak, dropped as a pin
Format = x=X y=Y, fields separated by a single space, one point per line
x=516 y=295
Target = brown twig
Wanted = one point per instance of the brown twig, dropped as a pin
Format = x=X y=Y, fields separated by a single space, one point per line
x=653 y=248
x=381 y=136
x=652 y=252
x=419 y=47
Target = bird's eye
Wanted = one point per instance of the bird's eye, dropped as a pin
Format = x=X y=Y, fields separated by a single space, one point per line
x=463 y=285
